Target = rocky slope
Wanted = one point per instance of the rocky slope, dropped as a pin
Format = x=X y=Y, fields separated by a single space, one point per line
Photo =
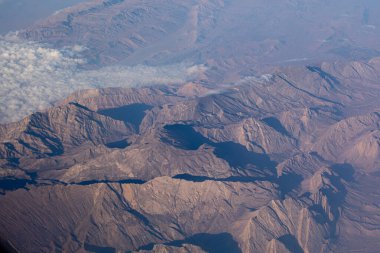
x=152 y=170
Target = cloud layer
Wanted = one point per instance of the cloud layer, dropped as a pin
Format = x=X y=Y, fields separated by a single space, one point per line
x=33 y=77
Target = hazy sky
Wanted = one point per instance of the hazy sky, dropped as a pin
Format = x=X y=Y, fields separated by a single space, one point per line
x=33 y=77
x=17 y=14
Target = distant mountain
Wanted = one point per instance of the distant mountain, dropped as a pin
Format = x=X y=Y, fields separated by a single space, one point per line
x=232 y=35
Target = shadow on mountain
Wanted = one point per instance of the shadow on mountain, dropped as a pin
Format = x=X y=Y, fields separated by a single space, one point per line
x=132 y=114
x=288 y=182
x=211 y=243
x=118 y=144
x=238 y=156
x=124 y=181
x=198 y=179
x=98 y=249
x=80 y=106
x=336 y=192
x=12 y=184
x=291 y=243
x=319 y=214
x=53 y=143
x=11 y=152
x=344 y=170
x=330 y=79
x=276 y=125
x=184 y=137
x=13 y=161
x=7 y=247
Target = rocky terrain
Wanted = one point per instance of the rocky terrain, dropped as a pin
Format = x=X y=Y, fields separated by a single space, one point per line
x=253 y=155
x=121 y=170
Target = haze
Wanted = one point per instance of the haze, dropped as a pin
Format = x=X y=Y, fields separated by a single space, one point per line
x=18 y=14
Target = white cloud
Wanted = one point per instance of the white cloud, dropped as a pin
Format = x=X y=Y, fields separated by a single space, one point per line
x=33 y=77
x=263 y=79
